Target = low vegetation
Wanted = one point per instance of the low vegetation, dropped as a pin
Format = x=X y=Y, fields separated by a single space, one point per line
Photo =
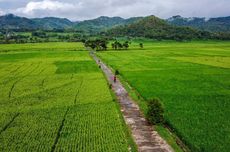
x=155 y=112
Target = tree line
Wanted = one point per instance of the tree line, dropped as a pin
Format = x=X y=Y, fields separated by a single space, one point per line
x=101 y=44
x=118 y=45
x=39 y=36
x=98 y=44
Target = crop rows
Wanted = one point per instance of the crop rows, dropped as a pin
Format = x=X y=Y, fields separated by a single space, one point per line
x=43 y=109
x=96 y=125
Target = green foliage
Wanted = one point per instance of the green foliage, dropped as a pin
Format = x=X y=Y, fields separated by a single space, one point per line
x=98 y=44
x=118 y=45
x=126 y=45
x=141 y=45
x=155 y=113
x=117 y=72
x=40 y=34
x=37 y=36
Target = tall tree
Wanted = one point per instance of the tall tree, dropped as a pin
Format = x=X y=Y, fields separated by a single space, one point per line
x=141 y=45
x=126 y=45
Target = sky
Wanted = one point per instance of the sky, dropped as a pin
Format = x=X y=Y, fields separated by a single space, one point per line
x=77 y=10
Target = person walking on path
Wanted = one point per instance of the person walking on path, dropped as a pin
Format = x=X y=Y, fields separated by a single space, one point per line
x=115 y=79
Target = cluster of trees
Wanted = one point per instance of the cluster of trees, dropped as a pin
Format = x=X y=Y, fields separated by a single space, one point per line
x=98 y=44
x=101 y=44
x=38 y=36
x=118 y=46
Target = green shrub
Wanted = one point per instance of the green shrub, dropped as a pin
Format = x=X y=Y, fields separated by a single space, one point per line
x=117 y=72
x=155 y=113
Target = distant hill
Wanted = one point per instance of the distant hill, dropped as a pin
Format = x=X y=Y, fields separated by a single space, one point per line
x=53 y=23
x=175 y=27
x=104 y=22
x=220 y=24
x=11 y=21
x=153 y=27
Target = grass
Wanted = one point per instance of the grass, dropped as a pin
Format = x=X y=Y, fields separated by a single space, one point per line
x=75 y=67
x=170 y=138
x=192 y=81
x=51 y=46
x=56 y=99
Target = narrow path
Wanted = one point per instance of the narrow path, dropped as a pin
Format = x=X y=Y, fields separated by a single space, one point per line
x=144 y=136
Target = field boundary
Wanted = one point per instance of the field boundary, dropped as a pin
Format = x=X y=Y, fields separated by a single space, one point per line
x=59 y=130
x=78 y=91
x=9 y=123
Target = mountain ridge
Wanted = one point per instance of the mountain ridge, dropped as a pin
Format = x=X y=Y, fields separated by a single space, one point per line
x=155 y=28
x=11 y=21
x=104 y=22
x=219 y=24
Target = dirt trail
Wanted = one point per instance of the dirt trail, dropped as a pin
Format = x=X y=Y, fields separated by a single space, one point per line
x=147 y=139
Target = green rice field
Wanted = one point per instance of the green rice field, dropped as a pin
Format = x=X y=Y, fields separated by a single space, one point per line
x=192 y=80
x=53 y=97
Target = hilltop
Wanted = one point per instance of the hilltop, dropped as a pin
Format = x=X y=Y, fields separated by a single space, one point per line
x=220 y=24
x=154 y=27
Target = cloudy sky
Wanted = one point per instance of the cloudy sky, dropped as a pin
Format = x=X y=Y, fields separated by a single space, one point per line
x=88 y=9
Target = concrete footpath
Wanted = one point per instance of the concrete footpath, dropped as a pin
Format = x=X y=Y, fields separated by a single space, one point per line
x=145 y=137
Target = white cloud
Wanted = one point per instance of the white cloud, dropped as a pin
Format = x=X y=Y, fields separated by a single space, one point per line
x=41 y=8
x=1 y=12
x=46 y=5
x=88 y=9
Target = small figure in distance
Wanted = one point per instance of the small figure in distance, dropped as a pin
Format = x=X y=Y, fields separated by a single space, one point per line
x=99 y=62
x=115 y=79
x=115 y=76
